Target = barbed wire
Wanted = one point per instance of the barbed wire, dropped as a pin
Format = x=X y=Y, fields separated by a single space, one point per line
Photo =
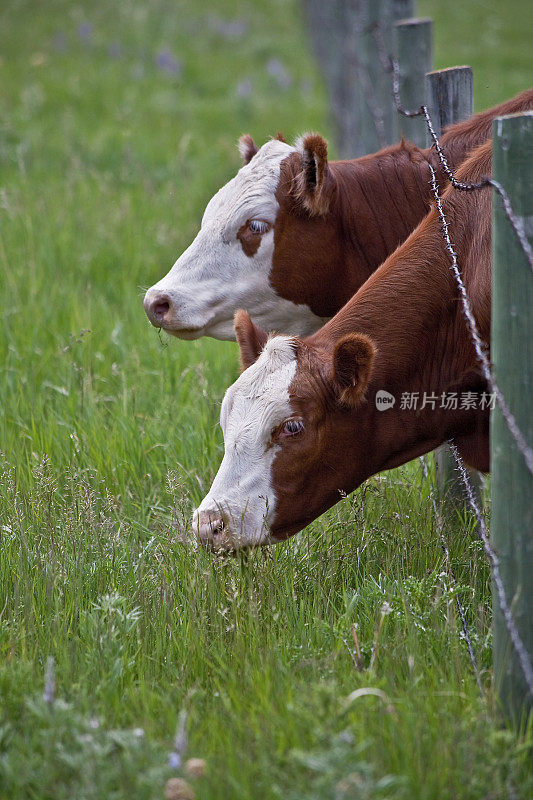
x=482 y=532
x=514 y=220
x=445 y=550
x=521 y=651
x=391 y=65
x=481 y=354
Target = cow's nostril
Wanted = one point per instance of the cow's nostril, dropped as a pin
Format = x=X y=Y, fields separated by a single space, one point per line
x=157 y=306
x=211 y=527
x=161 y=308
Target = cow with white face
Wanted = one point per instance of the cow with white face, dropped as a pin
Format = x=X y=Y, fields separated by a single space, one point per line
x=228 y=264
x=276 y=419
x=255 y=417
x=293 y=236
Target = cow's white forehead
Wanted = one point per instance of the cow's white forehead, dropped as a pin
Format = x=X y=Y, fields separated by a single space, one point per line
x=251 y=193
x=262 y=389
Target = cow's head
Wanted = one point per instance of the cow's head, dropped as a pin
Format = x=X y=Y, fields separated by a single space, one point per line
x=289 y=433
x=229 y=264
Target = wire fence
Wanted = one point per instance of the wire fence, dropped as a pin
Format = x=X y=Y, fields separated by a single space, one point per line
x=390 y=64
x=482 y=532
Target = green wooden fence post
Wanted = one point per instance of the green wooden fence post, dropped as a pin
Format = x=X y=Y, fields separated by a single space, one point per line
x=512 y=356
x=402 y=9
x=449 y=99
x=329 y=27
x=380 y=123
x=414 y=51
x=345 y=35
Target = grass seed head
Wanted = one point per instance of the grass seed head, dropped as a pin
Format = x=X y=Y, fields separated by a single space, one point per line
x=178 y=789
x=195 y=767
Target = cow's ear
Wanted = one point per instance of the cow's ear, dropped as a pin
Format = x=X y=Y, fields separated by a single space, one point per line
x=312 y=182
x=353 y=359
x=250 y=338
x=247 y=148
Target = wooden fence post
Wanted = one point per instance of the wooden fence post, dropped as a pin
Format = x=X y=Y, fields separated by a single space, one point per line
x=414 y=51
x=512 y=356
x=329 y=26
x=351 y=41
x=449 y=99
x=380 y=123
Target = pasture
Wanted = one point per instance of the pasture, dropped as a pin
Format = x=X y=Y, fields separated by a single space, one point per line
x=119 y=122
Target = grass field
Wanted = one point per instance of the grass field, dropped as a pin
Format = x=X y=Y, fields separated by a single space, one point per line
x=118 y=123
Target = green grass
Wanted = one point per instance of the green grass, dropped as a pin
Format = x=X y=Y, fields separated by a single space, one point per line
x=109 y=437
x=493 y=38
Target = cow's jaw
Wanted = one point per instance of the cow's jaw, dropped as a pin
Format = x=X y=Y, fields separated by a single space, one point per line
x=242 y=495
x=215 y=276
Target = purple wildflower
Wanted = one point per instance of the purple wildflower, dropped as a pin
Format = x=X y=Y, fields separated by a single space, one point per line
x=232 y=29
x=166 y=61
x=245 y=89
x=180 y=742
x=49 y=682
x=277 y=71
x=174 y=761
x=85 y=31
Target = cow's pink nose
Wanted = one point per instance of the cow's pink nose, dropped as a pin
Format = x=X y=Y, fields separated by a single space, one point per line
x=157 y=306
x=211 y=528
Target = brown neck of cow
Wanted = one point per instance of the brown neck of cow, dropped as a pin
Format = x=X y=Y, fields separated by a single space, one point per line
x=410 y=308
x=376 y=202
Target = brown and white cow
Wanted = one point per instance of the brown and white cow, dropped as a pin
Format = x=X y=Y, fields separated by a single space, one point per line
x=303 y=424
x=292 y=236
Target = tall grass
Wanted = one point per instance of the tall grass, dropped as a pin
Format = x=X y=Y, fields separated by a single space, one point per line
x=119 y=123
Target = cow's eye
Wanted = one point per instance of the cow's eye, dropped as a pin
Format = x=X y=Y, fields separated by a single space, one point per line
x=291 y=427
x=258 y=226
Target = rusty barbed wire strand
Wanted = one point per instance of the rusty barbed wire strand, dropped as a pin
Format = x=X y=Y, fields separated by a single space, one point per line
x=482 y=532
x=515 y=222
x=482 y=357
x=527 y=453
x=391 y=65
